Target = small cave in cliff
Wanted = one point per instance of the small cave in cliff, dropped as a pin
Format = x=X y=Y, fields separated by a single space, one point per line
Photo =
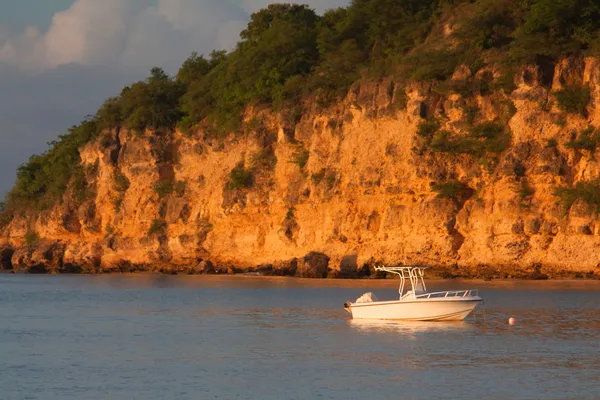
x=114 y=148
x=423 y=110
x=547 y=68
x=114 y=155
x=38 y=269
x=6 y=254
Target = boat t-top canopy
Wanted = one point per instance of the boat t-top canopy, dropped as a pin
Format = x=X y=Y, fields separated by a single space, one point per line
x=381 y=267
x=412 y=272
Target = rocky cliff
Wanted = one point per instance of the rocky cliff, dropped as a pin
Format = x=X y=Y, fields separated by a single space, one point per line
x=330 y=191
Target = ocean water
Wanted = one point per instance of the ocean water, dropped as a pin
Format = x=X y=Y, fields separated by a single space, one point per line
x=171 y=337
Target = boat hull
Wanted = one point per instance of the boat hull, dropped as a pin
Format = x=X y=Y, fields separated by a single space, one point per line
x=416 y=310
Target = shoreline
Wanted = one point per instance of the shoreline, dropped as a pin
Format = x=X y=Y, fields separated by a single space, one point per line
x=257 y=282
x=566 y=278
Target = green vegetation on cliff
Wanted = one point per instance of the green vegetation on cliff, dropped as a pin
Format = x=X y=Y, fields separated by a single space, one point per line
x=44 y=179
x=589 y=192
x=288 y=53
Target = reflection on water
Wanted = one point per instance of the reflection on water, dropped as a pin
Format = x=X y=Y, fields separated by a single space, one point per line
x=158 y=337
x=407 y=328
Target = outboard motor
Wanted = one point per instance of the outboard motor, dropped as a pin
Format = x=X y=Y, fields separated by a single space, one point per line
x=368 y=297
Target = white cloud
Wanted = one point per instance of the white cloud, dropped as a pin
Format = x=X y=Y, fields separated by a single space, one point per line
x=89 y=31
x=167 y=33
x=93 y=32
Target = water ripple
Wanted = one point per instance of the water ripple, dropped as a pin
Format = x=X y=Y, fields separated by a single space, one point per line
x=148 y=337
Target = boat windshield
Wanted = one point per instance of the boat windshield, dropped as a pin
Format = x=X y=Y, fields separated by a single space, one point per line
x=412 y=273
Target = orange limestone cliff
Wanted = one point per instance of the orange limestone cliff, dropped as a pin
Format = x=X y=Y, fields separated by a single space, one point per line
x=415 y=173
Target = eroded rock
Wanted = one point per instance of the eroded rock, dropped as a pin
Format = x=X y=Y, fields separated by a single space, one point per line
x=313 y=265
x=41 y=258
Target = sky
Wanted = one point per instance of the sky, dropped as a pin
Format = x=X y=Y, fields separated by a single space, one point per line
x=60 y=59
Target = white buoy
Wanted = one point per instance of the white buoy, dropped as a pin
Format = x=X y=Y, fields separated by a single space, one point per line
x=512 y=321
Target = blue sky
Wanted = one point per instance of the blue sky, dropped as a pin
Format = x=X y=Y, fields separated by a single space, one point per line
x=20 y=13
x=60 y=59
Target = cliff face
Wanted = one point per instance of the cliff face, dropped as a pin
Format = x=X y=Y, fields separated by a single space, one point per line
x=352 y=182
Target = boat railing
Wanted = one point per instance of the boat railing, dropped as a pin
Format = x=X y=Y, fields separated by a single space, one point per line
x=449 y=293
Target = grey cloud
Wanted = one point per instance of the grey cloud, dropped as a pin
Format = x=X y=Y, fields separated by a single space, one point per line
x=35 y=109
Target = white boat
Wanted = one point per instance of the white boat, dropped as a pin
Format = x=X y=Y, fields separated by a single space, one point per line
x=417 y=304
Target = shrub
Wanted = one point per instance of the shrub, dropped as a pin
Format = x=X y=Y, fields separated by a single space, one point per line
x=205 y=225
x=476 y=66
x=331 y=179
x=573 y=99
x=524 y=190
x=80 y=187
x=318 y=177
x=164 y=188
x=454 y=190
x=291 y=213
x=265 y=159
x=428 y=127
x=586 y=191
x=487 y=130
x=505 y=82
x=5 y=218
x=295 y=115
x=180 y=187
x=240 y=178
x=487 y=137
x=117 y=204
x=186 y=126
x=443 y=142
x=494 y=135
x=300 y=158
x=508 y=110
x=552 y=28
x=588 y=140
x=519 y=169
x=400 y=99
x=561 y=122
x=471 y=112
x=466 y=88
x=31 y=237
x=551 y=143
x=158 y=227
x=432 y=65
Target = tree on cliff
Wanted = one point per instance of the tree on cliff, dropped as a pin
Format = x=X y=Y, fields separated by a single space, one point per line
x=278 y=47
x=151 y=104
x=288 y=52
x=195 y=67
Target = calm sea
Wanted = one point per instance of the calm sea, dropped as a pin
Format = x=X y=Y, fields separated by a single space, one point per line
x=169 y=337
